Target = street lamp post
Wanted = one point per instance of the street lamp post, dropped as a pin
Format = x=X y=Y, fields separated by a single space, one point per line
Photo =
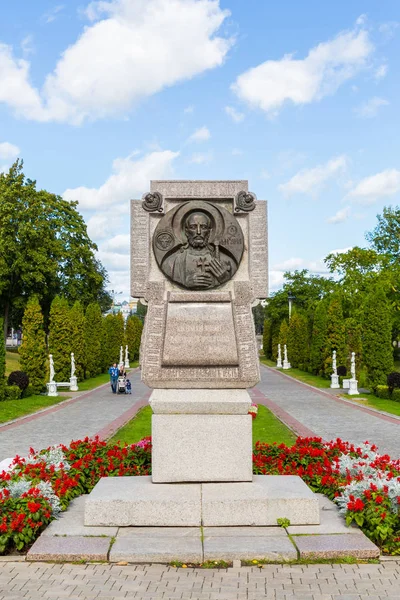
x=290 y=298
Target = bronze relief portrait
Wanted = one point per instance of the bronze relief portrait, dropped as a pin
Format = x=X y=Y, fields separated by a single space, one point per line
x=198 y=245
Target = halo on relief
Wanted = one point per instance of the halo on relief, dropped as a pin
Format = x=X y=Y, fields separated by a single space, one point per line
x=183 y=212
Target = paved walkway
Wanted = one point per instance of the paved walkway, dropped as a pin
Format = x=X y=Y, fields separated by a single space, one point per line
x=325 y=415
x=155 y=582
x=89 y=414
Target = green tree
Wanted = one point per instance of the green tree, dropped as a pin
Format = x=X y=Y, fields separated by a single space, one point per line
x=2 y=362
x=44 y=248
x=297 y=341
x=283 y=334
x=319 y=337
x=93 y=340
x=60 y=338
x=33 y=350
x=114 y=337
x=376 y=337
x=133 y=335
x=385 y=238
x=353 y=331
x=267 y=338
x=258 y=317
x=77 y=320
x=141 y=310
x=335 y=332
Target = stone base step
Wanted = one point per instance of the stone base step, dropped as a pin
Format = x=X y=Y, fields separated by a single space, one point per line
x=137 y=502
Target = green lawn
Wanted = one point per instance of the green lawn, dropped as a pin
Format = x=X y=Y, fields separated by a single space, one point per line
x=12 y=362
x=136 y=429
x=12 y=409
x=303 y=376
x=389 y=406
x=266 y=428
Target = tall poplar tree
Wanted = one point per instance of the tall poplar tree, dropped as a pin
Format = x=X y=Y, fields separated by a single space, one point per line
x=33 y=350
x=133 y=335
x=77 y=321
x=336 y=336
x=114 y=337
x=2 y=362
x=319 y=338
x=377 y=337
x=93 y=340
x=297 y=341
x=60 y=338
x=267 y=338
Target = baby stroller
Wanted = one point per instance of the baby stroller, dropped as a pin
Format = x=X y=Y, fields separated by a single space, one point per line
x=121 y=385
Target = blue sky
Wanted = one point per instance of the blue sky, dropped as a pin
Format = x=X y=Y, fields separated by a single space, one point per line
x=300 y=98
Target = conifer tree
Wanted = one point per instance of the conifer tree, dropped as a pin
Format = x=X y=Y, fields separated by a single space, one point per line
x=133 y=334
x=77 y=320
x=274 y=344
x=33 y=350
x=113 y=338
x=2 y=361
x=93 y=340
x=267 y=338
x=60 y=338
x=297 y=341
x=283 y=334
x=319 y=338
x=336 y=336
x=377 y=337
x=353 y=341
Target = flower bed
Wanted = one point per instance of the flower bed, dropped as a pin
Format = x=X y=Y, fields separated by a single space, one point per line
x=365 y=485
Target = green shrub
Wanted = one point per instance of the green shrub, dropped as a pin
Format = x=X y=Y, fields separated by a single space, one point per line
x=33 y=350
x=93 y=340
x=133 y=333
x=19 y=378
x=12 y=392
x=377 y=337
x=396 y=395
x=382 y=391
x=319 y=337
x=29 y=391
x=60 y=338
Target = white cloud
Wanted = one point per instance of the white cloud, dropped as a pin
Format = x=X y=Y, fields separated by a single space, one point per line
x=309 y=180
x=340 y=250
x=388 y=29
x=201 y=158
x=370 y=108
x=120 y=243
x=234 y=114
x=27 y=45
x=301 y=81
x=200 y=135
x=188 y=110
x=276 y=274
x=383 y=184
x=381 y=72
x=341 y=216
x=52 y=14
x=132 y=49
x=129 y=177
x=290 y=264
x=8 y=151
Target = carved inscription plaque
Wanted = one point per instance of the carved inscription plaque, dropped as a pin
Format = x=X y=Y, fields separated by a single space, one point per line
x=200 y=334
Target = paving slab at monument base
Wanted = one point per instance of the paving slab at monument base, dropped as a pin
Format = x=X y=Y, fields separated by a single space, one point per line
x=68 y=539
x=138 y=502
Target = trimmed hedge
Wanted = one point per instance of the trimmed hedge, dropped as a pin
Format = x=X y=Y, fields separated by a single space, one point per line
x=396 y=395
x=12 y=392
x=382 y=391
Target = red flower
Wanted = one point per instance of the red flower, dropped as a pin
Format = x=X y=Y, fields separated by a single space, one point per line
x=379 y=499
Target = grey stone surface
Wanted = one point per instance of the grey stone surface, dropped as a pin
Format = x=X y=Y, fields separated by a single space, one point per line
x=71 y=522
x=239 y=532
x=326 y=417
x=229 y=402
x=163 y=532
x=331 y=521
x=247 y=548
x=199 y=334
x=85 y=416
x=260 y=503
x=37 y=581
x=157 y=545
x=70 y=548
x=335 y=546
x=201 y=188
x=201 y=448
x=135 y=501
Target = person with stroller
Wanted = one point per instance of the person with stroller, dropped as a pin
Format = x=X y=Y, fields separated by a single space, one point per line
x=114 y=373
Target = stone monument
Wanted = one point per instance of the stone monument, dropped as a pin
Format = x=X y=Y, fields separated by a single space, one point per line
x=286 y=363
x=353 y=382
x=279 y=359
x=199 y=262
x=73 y=379
x=52 y=385
x=334 y=377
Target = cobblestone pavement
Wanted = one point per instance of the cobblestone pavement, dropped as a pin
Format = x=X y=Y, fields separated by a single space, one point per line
x=87 y=415
x=155 y=582
x=327 y=416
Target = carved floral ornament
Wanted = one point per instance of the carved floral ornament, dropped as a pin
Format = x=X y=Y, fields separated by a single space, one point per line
x=152 y=202
x=245 y=201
